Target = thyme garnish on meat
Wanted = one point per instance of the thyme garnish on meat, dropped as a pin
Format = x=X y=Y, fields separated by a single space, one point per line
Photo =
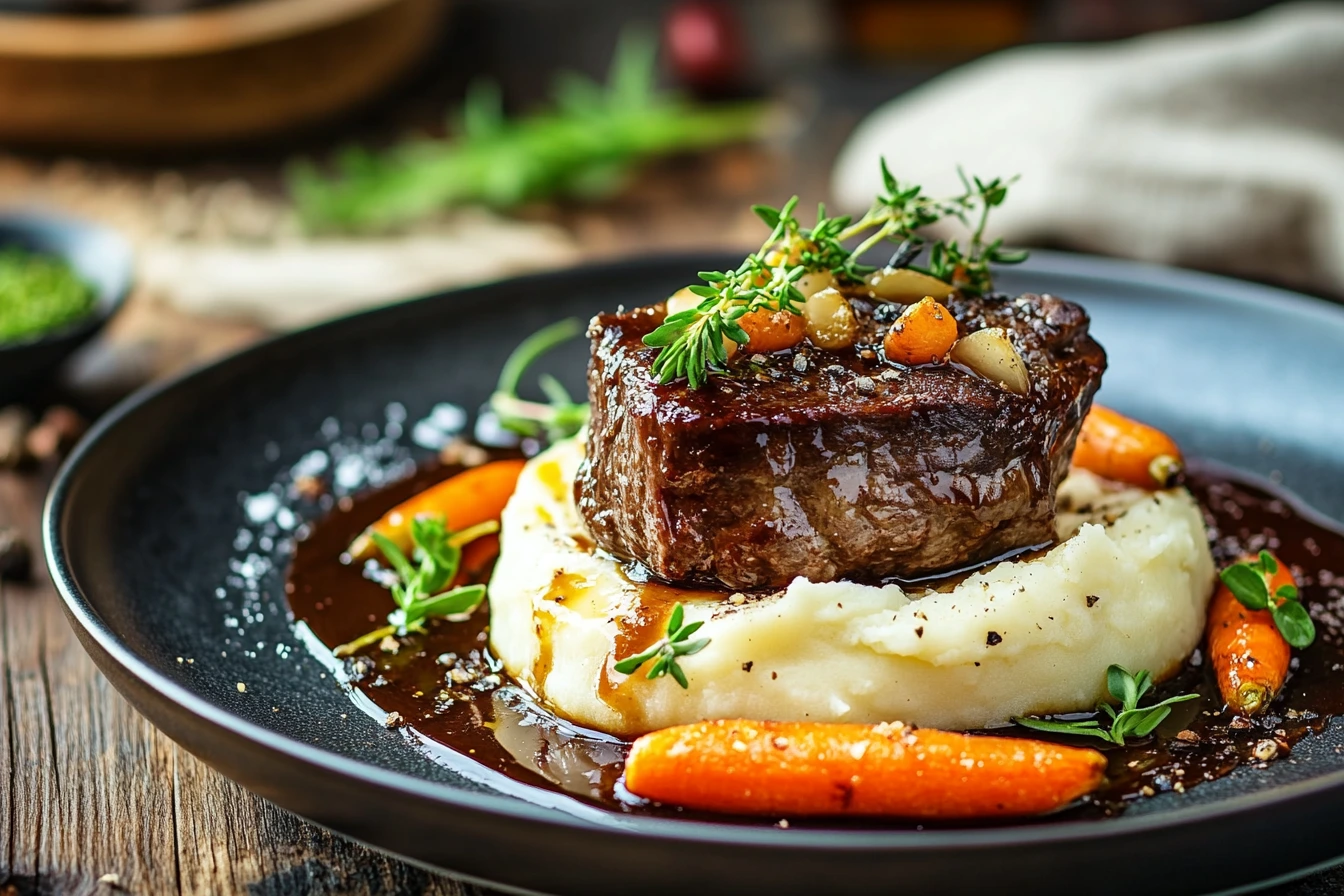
x=418 y=587
x=560 y=416
x=666 y=652
x=1130 y=721
x=1249 y=584
x=692 y=342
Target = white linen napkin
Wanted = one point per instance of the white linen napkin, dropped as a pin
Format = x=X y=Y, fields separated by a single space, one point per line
x=1218 y=147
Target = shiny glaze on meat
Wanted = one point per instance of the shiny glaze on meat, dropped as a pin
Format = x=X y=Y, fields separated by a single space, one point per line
x=837 y=466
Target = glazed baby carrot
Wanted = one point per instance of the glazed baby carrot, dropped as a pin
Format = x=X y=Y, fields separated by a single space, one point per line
x=1116 y=447
x=813 y=768
x=472 y=496
x=924 y=333
x=1247 y=647
x=476 y=559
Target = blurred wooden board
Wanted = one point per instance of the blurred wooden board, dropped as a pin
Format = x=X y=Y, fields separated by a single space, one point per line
x=216 y=75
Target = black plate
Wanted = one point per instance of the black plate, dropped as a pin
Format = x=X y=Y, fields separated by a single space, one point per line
x=99 y=256
x=142 y=532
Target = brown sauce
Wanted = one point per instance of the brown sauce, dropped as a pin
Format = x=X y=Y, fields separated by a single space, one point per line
x=456 y=702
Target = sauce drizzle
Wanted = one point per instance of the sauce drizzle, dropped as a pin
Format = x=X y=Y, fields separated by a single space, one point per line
x=447 y=687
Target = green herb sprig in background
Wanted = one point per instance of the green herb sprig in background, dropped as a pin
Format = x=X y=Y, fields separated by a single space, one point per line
x=1249 y=584
x=1130 y=721
x=582 y=147
x=418 y=587
x=666 y=652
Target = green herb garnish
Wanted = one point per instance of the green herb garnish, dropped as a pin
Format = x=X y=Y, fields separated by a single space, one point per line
x=1249 y=584
x=558 y=418
x=666 y=652
x=417 y=588
x=582 y=147
x=1131 y=721
x=38 y=293
x=692 y=341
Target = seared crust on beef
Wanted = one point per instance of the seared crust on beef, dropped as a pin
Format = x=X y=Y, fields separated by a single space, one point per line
x=846 y=467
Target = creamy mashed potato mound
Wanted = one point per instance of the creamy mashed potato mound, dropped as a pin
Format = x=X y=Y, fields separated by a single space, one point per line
x=1128 y=583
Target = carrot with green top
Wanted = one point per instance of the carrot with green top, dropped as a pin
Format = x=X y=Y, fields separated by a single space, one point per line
x=473 y=496
x=1255 y=619
x=812 y=768
x=1116 y=447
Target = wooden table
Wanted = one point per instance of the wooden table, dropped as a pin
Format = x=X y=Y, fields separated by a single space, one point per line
x=94 y=799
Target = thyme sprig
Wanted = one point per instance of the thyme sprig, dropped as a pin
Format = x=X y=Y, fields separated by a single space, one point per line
x=1130 y=721
x=418 y=587
x=557 y=418
x=1249 y=583
x=692 y=342
x=667 y=651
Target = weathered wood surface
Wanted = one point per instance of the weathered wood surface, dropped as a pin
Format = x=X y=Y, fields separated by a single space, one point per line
x=93 y=799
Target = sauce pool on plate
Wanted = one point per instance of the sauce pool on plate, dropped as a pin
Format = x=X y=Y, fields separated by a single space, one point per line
x=445 y=686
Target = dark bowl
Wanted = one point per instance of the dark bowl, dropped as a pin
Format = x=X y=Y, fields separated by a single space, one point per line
x=99 y=255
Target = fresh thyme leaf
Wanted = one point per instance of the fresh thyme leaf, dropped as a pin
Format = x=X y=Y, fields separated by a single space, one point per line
x=667 y=651
x=1130 y=721
x=558 y=418
x=1249 y=583
x=1087 y=727
x=449 y=603
x=417 y=589
x=394 y=556
x=690 y=342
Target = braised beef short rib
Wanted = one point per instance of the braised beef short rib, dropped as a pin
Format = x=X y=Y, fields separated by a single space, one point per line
x=833 y=465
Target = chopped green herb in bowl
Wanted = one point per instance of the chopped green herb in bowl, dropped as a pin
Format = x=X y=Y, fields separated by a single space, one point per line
x=38 y=293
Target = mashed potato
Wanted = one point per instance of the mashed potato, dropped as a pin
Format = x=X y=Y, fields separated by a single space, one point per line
x=1128 y=584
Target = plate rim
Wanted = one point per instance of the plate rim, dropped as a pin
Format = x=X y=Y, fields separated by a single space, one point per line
x=85 y=618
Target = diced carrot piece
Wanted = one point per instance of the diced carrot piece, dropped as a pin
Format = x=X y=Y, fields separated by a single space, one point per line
x=772 y=331
x=923 y=334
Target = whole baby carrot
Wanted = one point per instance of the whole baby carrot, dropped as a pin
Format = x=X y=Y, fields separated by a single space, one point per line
x=812 y=768
x=1249 y=653
x=1115 y=447
x=472 y=496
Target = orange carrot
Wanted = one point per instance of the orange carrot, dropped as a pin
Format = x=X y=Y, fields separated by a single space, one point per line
x=772 y=331
x=476 y=558
x=1116 y=447
x=472 y=496
x=923 y=334
x=1249 y=655
x=812 y=768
